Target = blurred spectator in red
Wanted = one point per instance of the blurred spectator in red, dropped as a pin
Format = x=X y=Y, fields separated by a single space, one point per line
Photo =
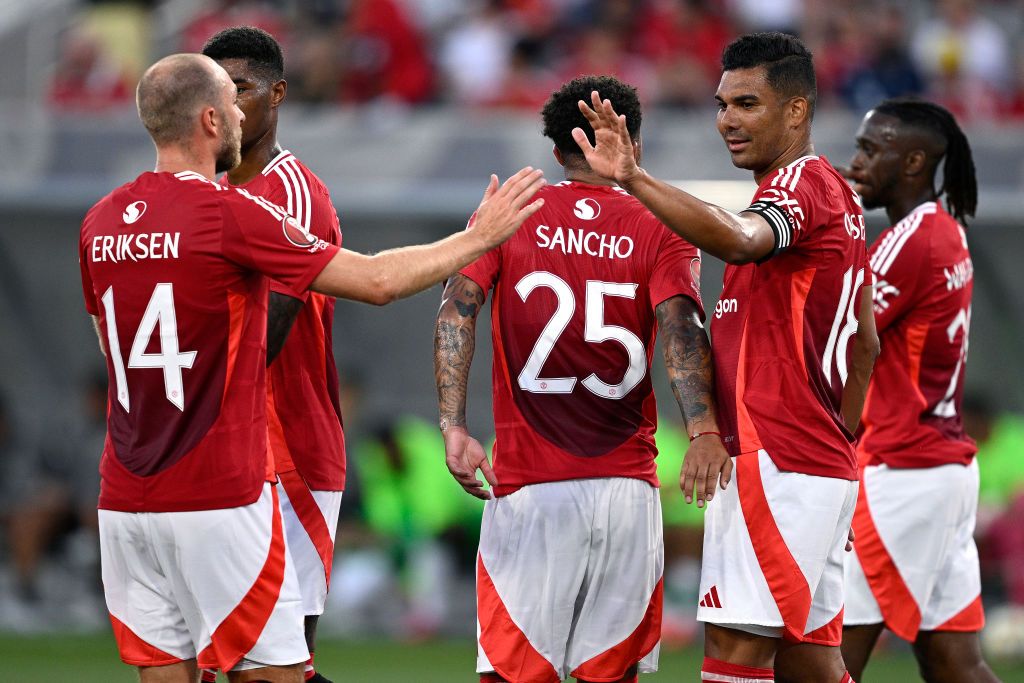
x=602 y=50
x=315 y=66
x=528 y=83
x=227 y=13
x=86 y=78
x=475 y=56
x=684 y=40
x=387 y=57
x=966 y=58
x=841 y=48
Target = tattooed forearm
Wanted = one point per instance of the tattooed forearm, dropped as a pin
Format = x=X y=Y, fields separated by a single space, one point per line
x=454 y=343
x=281 y=312
x=687 y=360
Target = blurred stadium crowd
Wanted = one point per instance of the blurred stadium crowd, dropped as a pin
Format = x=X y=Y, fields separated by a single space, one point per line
x=408 y=535
x=966 y=54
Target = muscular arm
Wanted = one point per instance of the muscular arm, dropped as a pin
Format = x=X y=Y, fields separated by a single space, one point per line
x=864 y=350
x=398 y=273
x=688 y=362
x=691 y=374
x=454 y=344
x=281 y=312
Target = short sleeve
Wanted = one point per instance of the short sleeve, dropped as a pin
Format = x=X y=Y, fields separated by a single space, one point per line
x=896 y=267
x=484 y=271
x=260 y=236
x=789 y=203
x=87 y=288
x=676 y=271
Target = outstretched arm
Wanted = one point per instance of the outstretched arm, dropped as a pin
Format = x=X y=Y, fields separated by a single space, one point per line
x=398 y=273
x=733 y=238
x=691 y=374
x=864 y=350
x=281 y=313
x=454 y=343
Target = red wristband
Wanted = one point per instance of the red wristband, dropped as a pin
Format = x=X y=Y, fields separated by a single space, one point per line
x=699 y=434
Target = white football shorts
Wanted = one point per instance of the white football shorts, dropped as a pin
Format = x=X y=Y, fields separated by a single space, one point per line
x=215 y=585
x=774 y=546
x=569 y=581
x=916 y=565
x=310 y=523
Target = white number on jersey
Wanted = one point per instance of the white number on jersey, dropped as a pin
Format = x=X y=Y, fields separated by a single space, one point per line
x=962 y=321
x=159 y=311
x=839 y=337
x=595 y=331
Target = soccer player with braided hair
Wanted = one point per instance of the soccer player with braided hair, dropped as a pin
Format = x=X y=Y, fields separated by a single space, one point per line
x=915 y=570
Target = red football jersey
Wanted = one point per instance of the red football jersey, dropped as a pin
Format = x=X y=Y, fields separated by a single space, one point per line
x=923 y=283
x=782 y=326
x=303 y=404
x=175 y=267
x=573 y=326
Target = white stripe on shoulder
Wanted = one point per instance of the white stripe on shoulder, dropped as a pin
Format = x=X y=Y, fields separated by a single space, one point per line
x=305 y=202
x=287 y=184
x=798 y=170
x=283 y=155
x=271 y=208
x=899 y=243
x=291 y=176
x=192 y=175
x=895 y=236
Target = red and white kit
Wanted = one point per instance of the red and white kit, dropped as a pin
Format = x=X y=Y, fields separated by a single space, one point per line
x=916 y=565
x=570 y=566
x=175 y=267
x=781 y=331
x=306 y=439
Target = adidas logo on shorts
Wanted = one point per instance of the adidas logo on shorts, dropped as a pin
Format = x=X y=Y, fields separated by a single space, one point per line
x=711 y=598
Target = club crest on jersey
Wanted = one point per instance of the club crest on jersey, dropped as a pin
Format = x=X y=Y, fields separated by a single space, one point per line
x=587 y=209
x=296 y=235
x=133 y=212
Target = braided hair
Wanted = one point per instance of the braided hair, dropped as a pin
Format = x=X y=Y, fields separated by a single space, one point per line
x=958 y=179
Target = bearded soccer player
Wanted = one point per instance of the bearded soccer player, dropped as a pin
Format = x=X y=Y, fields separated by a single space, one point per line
x=569 y=573
x=915 y=570
x=794 y=342
x=306 y=439
x=174 y=272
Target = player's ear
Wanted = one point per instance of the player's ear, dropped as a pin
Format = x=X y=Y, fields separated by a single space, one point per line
x=278 y=91
x=209 y=121
x=915 y=162
x=558 y=155
x=798 y=111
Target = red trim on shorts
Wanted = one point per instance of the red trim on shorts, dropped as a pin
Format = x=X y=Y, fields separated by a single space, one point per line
x=240 y=630
x=830 y=634
x=310 y=516
x=137 y=652
x=969 y=619
x=897 y=604
x=785 y=579
x=506 y=647
x=619 y=658
x=717 y=671
x=800 y=288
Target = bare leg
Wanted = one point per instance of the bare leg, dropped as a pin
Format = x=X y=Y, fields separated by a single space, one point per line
x=629 y=677
x=858 y=642
x=181 y=672
x=951 y=657
x=808 y=663
x=269 y=674
x=739 y=647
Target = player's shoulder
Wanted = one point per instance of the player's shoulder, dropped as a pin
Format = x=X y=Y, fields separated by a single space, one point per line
x=289 y=170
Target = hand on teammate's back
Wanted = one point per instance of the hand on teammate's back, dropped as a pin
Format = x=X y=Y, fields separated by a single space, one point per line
x=706 y=465
x=503 y=209
x=611 y=155
x=464 y=456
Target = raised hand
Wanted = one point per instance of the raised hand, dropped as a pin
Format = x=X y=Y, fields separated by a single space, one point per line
x=612 y=154
x=464 y=456
x=706 y=465
x=504 y=209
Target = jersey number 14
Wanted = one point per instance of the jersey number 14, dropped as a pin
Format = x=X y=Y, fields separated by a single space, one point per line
x=159 y=311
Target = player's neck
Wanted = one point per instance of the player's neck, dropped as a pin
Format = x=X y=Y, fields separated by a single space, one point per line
x=901 y=206
x=586 y=176
x=802 y=147
x=177 y=159
x=256 y=158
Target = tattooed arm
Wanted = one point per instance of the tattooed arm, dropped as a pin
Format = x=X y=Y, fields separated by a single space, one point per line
x=454 y=343
x=691 y=374
x=281 y=312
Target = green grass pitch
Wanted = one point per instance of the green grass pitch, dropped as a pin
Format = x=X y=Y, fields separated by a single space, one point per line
x=93 y=659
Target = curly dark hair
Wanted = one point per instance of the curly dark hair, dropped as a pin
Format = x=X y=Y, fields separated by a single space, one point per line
x=959 y=183
x=561 y=113
x=251 y=43
x=788 y=62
